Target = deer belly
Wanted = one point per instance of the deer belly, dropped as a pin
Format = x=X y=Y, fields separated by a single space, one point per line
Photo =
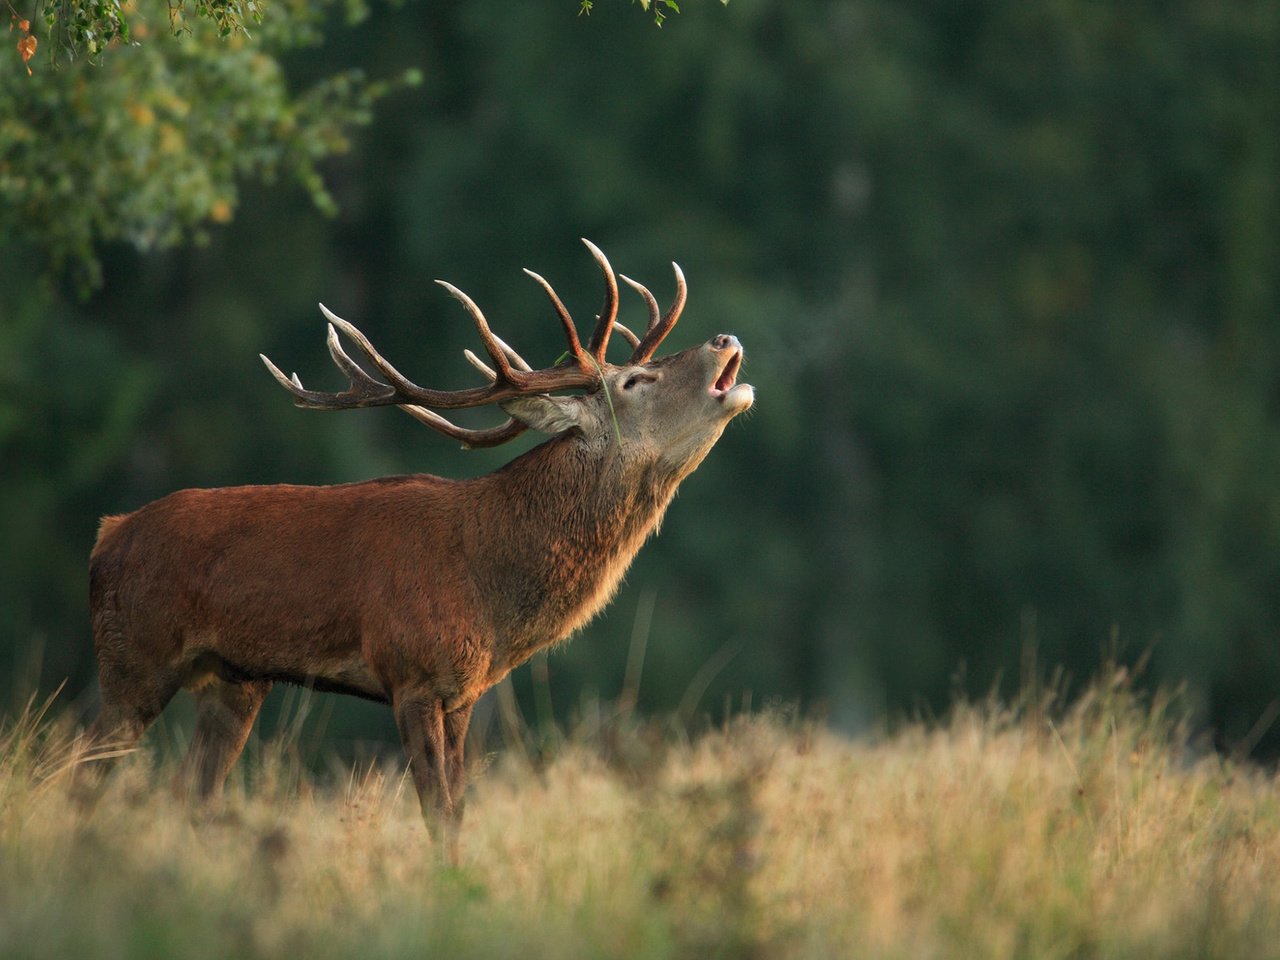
x=350 y=675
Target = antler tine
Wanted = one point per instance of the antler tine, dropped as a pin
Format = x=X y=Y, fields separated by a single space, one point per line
x=496 y=352
x=364 y=390
x=517 y=361
x=480 y=365
x=471 y=439
x=292 y=384
x=659 y=327
x=515 y=358
x=566 y=321
x=627 y=335
x=399 y=382
x=361 y=382
x=599 y=342
x=655 y=312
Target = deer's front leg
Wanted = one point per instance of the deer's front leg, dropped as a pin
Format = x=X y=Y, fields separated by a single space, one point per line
x=456 y=724
x=420 y=718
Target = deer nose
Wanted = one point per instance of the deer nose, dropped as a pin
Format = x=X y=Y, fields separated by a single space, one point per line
x=725 y=341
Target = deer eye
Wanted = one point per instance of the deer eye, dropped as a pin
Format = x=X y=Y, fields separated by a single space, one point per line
x=632 y=380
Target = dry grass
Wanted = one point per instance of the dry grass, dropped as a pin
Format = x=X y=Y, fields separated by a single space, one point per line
x=1092 y=831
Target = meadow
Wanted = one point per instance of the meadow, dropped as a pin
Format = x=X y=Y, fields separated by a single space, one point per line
x=1039 y=828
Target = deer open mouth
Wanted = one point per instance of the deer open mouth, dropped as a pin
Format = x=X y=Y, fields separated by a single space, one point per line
x=728 y=376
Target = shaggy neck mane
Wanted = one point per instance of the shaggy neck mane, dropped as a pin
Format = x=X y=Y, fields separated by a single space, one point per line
x=572 y=516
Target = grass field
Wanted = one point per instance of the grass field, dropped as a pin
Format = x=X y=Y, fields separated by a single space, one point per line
x=1083 y=830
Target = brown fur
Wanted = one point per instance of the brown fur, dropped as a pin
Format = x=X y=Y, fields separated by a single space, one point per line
x=417 y=591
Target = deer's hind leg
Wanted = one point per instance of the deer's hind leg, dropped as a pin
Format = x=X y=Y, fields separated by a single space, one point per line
x=134 y=693
x=225 y=712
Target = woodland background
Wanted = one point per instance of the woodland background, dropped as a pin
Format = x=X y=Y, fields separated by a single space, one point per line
x=1005 y=272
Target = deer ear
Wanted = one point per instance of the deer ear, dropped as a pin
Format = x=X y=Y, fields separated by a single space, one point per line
x=545 y=413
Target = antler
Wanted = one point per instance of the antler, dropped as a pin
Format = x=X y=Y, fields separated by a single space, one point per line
x=509 y=376
x=659 y=324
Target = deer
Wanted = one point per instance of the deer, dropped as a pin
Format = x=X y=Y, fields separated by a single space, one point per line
x=416 y=591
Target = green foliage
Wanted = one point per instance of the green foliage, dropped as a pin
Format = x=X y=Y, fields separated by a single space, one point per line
x=90 y=27
x=150 y=145
x=228 y=16
x=86 y=27
x=659 y=8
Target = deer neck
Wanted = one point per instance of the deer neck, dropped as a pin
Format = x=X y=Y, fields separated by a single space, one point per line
x=568 y=518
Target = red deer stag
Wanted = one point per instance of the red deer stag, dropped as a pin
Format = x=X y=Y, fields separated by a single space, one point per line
x=415 y=591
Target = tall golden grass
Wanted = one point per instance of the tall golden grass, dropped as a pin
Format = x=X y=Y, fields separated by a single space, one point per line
x=1037 y=829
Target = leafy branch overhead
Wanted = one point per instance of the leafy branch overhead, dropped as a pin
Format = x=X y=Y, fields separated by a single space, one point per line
x=151 y=143
x=140 y=118
x=89 y=27
x=659 y=8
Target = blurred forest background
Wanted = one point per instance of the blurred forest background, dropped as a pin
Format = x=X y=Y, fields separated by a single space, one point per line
x=1006 y=274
